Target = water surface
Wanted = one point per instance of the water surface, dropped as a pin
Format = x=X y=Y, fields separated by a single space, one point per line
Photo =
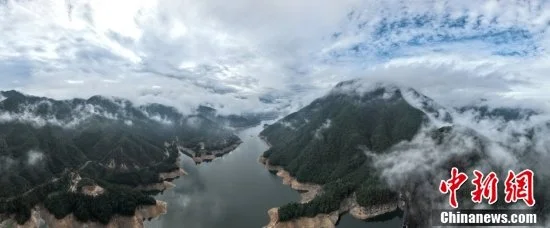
x=234 y=191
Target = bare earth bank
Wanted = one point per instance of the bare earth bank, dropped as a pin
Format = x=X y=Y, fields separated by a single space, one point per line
x=308 y=191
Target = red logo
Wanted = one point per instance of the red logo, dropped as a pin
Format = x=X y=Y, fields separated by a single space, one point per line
x=452 y=185
x=485 y=188
x=520 y=186
x=517 y=187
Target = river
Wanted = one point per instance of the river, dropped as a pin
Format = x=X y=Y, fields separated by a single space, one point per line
x=233 y=191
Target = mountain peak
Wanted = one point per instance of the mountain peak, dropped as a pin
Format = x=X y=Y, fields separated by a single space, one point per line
x=99 y=98
x=390 y=91
x=364 y=87
x=11 y=93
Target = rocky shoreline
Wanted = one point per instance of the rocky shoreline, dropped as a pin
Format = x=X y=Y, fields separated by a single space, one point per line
x=166 y=179
x=42 y=215
x=308 y=192
x=319 y=221
x=210 y=155
x=142 y=213
x=363 y=213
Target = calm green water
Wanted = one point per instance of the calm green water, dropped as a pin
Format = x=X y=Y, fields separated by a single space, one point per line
x=234 y=191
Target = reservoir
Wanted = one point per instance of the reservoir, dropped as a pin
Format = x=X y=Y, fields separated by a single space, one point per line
x=233 y=191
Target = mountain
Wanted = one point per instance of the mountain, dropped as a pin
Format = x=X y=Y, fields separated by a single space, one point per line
x=505 y=113
x=45 y=144
x=384 y=146
x=323 y=144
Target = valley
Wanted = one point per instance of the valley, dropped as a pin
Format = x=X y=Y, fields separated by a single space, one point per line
x=104 y=162
x=274 y=114
x=94 y=162
x=233 y=191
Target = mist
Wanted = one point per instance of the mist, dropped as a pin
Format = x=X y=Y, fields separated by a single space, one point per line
x=250 y=57
x=472 y=142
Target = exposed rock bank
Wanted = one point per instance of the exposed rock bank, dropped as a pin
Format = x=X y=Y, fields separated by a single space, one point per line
x=33 y=222
x=319 y=221
x=206 y=156
x=166 y=181
x=39 y=214
x=308 y=192
x=363 y=213
x=174 y=174
x=142 y=213
x=161 y=186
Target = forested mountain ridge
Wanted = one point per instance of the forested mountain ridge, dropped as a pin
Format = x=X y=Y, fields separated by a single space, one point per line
x=344 y=120
x=118 y=146
x=324 y=142
x=381 y=143
x=116 y=116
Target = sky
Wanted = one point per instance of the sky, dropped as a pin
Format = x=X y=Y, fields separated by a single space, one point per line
x=232 y=55
x=256 y=55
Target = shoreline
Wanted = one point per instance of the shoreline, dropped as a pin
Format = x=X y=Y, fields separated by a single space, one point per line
x=204 y=157
x=42 y=215
x=308 y=191
x=142 y=213
x=166 y=181
x=39 y=214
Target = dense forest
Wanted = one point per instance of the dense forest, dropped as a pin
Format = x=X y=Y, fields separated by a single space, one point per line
x=325 y=143
x=106 y=141
x=334 y=142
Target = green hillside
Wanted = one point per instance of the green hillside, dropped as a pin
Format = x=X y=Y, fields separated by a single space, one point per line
x=324 y=143
x=106 y=140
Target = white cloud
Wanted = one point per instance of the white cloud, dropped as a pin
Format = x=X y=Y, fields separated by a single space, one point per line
x=423 y=162
x=319 y=131
x=185 y=53
x=189 y=52
x=34 y=156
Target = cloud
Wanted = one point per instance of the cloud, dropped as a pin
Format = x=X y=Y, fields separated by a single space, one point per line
x=34 y=156
x=44 y=112
x=481 y=142
x=319 y=131
x=186 y=53
x=7 y=163
x=71 y=113
x=248 y=56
